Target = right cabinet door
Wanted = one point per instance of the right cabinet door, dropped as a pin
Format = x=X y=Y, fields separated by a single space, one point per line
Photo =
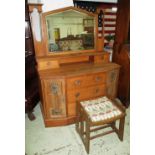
x=55 y=98
x=112 y=82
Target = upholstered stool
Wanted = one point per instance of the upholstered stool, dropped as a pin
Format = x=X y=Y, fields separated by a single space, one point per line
x=101 y=112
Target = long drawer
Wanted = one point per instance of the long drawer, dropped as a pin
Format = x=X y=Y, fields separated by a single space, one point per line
x=85 y=81
x=86 y=93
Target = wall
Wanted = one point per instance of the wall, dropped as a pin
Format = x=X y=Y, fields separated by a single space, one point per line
x=104 y=1
x=49 y=5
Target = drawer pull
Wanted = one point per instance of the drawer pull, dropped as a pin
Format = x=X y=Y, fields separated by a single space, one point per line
x=97 y=90
x=113 y=76
x=77 y=95
x=56 y=111
x=98 y=79
x=48 y=63
x=54 y=88
x=77 y=82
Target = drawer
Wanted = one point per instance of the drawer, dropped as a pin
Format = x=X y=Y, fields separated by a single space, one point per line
x=86 y=93
x=84 y=81
x=98 y=91
x=77 y=82
x=79 y=94
x=99 y=78
x=42 y=64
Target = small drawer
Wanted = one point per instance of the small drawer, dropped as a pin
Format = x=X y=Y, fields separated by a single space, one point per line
x=99 y=78
x=98 y=91
x=102 y=58
x=86 y=93
x=79 y=94
x=42 y=65
x=76 y=82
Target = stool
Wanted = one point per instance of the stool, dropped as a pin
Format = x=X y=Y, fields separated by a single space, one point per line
x=101 y=112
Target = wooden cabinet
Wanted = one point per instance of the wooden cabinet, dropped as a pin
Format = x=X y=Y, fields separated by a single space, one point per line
x=65 y=86
x=71 y=64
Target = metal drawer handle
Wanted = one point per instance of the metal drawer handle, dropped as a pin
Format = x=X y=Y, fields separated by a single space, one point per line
x=77 y=94
x=48 y=63
x=54 y=88
x=56 y=111
x=77 y=82
x=97 y=90
x=113 y=76
x=97 y=78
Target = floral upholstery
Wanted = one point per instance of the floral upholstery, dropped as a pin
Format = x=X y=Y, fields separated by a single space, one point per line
x=100 y=109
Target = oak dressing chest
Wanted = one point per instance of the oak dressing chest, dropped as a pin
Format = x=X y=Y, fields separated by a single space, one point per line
x=71 y=63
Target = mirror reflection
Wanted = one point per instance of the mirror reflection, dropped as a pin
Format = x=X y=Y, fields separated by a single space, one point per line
x=70 y=31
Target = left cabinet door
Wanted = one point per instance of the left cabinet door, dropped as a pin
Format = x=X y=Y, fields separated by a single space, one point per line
x=55 y=102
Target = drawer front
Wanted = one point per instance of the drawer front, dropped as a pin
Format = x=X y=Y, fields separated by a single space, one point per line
x=42 y=65
x=77 y=82
x=86 y=93
x=99 y=78
x=84 y=81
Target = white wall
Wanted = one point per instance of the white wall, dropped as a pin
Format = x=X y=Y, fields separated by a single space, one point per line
x=49 y=5
x=106 y=1
x=56 y=4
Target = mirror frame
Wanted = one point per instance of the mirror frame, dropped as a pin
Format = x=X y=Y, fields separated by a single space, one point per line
x=45 y=35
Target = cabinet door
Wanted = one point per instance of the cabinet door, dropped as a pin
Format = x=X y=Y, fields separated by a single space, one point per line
x=112 y=82
x=55 y=102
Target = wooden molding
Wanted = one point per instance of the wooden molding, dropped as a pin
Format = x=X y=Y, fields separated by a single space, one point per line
x=38 y=6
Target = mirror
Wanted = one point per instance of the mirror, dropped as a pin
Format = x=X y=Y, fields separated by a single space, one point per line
x=70 y=30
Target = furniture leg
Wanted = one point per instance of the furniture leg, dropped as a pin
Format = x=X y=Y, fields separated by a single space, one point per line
x=121 y=128
x=78 y=117
x=87 y=138
x=31 y=116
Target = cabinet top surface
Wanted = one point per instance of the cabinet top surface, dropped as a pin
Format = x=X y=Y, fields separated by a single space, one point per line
x=70 y=70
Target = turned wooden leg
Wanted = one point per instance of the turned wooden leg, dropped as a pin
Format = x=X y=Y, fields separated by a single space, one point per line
x=81 y=125
x=113 y=124
x=78 y=117
x=87 y=139
x=121 y=128
x=31 y=116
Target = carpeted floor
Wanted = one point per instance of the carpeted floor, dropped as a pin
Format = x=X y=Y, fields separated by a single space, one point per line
x=65 y=141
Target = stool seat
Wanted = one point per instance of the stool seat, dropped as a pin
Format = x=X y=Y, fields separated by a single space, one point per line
x=97 y=114
x=100 y=109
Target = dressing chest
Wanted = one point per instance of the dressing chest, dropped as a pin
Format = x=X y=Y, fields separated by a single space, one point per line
x=71 y=63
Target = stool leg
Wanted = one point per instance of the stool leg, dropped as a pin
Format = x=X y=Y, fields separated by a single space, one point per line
x=113 y=124
x=121 y=128
x=78 y=117
x=87 y=140
x=82 y=126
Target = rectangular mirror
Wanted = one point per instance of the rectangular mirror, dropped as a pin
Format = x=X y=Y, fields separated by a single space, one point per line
x=70 y=30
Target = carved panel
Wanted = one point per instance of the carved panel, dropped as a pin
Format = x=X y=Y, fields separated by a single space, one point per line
x=112 y=82
x=55 y=98
x=112 y=76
